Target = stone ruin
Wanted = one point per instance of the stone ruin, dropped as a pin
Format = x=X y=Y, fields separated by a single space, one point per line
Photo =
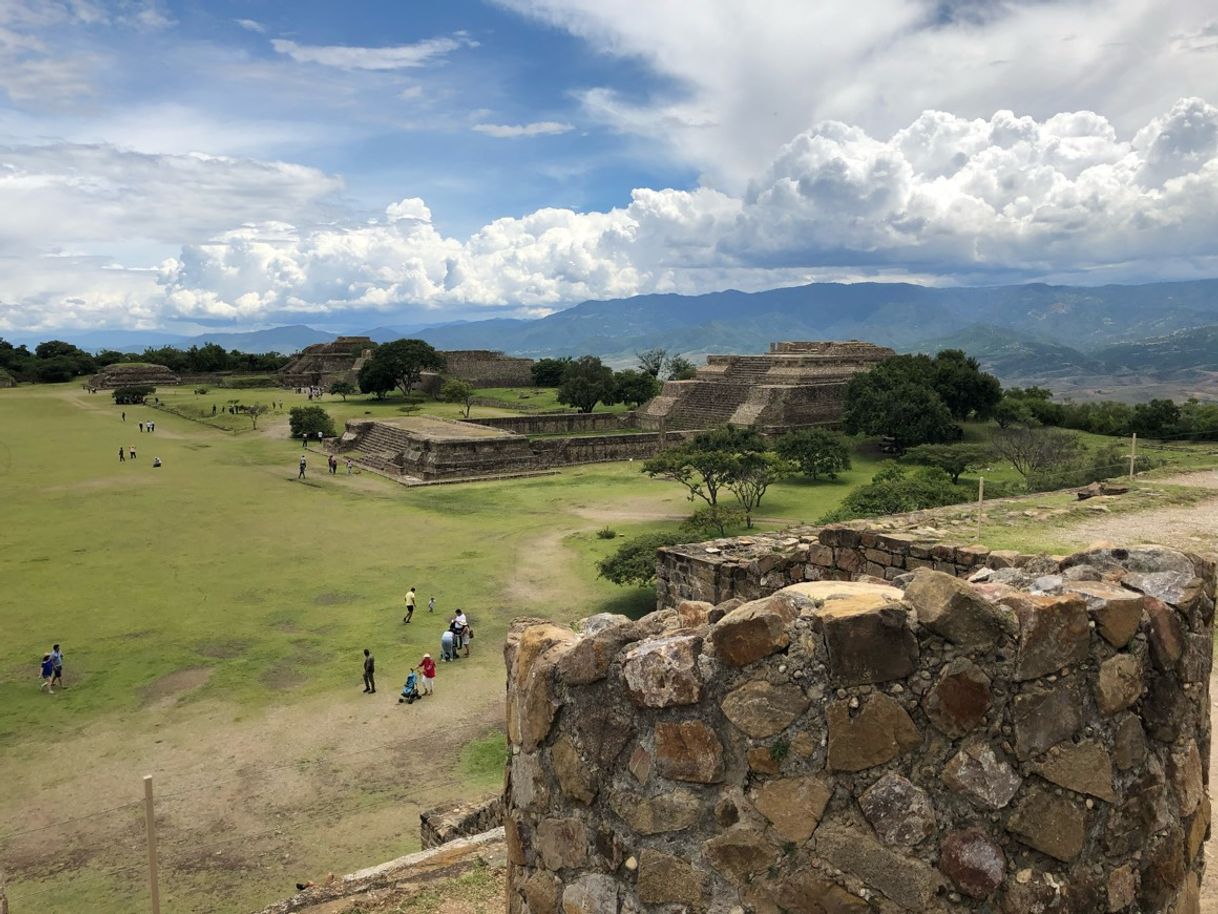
x=481 y=368
x=130 y=374
x=323 y=364
x=794 y=384
x=1033 y=741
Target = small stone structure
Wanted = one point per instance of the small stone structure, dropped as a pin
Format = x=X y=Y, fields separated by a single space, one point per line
x=459 y=820
x=1032 y=743
x=323 y=364
x=430 y=449
x=131 y=374
x=795 y=384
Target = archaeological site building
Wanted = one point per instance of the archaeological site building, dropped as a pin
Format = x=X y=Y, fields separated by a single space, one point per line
x=325 y=363
x=794 y=384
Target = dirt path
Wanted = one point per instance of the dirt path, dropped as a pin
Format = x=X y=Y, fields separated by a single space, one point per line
x=1192 y=527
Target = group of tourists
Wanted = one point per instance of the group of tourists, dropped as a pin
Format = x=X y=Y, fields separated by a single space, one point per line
x=331 y=464
x=421 y=679
x=51 y=670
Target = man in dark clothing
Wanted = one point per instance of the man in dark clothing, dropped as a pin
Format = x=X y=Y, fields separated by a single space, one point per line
x=121 y=457
x=303 y=464
x=369 y=672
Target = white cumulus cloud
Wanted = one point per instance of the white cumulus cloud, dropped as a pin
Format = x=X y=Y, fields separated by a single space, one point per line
x=513 y=131
x=394 y=57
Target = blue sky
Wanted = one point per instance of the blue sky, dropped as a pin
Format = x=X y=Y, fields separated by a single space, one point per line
x=190 y=164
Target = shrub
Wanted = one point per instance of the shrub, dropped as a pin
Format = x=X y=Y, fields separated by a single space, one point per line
x=309 y=420
x=893 y=490
x=816 y=451
x=606 y=533
x=634 y=562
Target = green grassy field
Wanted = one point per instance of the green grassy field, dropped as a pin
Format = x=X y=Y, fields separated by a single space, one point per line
x=215 y=600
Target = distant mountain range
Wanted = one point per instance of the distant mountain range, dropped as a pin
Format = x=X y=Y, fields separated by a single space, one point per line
x=1022 y=332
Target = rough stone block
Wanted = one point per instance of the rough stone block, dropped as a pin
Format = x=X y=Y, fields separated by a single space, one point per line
x=594 y=893
x=868 y=639
x=805 y=892
x=900 y=812
x=665 y=879
x=1053 y=633
x=794 y=806
x=576 y=778
x=761 y=709
x=673 y=810
x=1166 y=634
x=1116 y=610
x=1085 y=767
x=904 y=879
x=951 y=608
x=1128 y=743
x=1185 y=775
x=761 y=761
x=739 y=853
x=693 y=613
x=542 y=892
x=754 y=630
x=1050 y=824
x=1119 y=684
x=980 y=774
x=959 y=700
x=973 y=861
x=532 y=706
x=664 y=673
x=1122 y=888
x=561 y=842
x=1045 y=715
x=688 y=751
x=1198 y=828
x=880 y=732
x=1197 y=660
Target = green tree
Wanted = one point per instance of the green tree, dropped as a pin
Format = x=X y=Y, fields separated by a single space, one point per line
x=1155 y=419
x=255 y=411
x=586 y=382
x=134 y=393
x=964 y=388
x=307 y=421
x=403 y=361
x=56 y=360
x=652 y=361
x=705 y=464
x=953 y=459
x=376 y=378
x=817 y=452
x=680 y=368
x=208 y=357
x=549 y=372
x=885 y=403
x=752 y=475
x=342 y=389
x=457 y=391
x=634 y=388
x=634 y=561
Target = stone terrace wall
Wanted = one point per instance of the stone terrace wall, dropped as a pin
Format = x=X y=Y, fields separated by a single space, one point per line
x=487 y=368
x=1028 y=747
x=559 y=423
x=459 y=820
x=753 y=566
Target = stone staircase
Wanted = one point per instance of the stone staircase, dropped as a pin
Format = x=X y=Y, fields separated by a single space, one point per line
x=380 y=447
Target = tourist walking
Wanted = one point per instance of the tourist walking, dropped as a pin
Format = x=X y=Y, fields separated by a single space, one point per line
x=121 y=457
x=131 y=452
x=141 y=425
x=333 y=461
x=47 y=671
x=57 y=667
x=464 y=633
x=124 y=415
x=446 y=647
x=369 y=671
x=303 y=464
x=431 y=605
x=410 y=601
x=349 y=465
x=427 y=667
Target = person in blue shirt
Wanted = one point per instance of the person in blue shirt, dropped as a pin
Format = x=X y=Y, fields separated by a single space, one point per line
x=48 y=670
x=57 y=667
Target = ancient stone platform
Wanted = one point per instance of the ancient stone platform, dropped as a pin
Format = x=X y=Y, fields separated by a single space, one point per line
x=322 y=364
x=131 y=374
x=1032 y=741
x=795 y=384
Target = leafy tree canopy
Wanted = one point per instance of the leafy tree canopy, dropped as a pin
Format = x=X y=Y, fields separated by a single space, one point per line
x=586 y=382
x=815 y=451
x=634 y=388
x=953 y=459
x=307 y=421
x=457 y=391
x=549 y=372
x=403 y=361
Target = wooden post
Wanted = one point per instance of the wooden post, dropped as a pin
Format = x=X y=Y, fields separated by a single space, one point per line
x=980 y=504
x=1133 y=454
x=150 y=821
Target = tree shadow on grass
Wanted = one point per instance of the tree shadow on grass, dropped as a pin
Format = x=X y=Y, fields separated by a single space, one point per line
x=634 y=602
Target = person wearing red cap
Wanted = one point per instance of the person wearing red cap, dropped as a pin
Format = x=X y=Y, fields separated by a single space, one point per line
x=427 y=667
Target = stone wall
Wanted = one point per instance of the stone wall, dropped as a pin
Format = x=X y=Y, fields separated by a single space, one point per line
x=754 y=566
x=128 y=374
x=460 y=820
x=1030 y=744
x=559 y=423
x=486 y=368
